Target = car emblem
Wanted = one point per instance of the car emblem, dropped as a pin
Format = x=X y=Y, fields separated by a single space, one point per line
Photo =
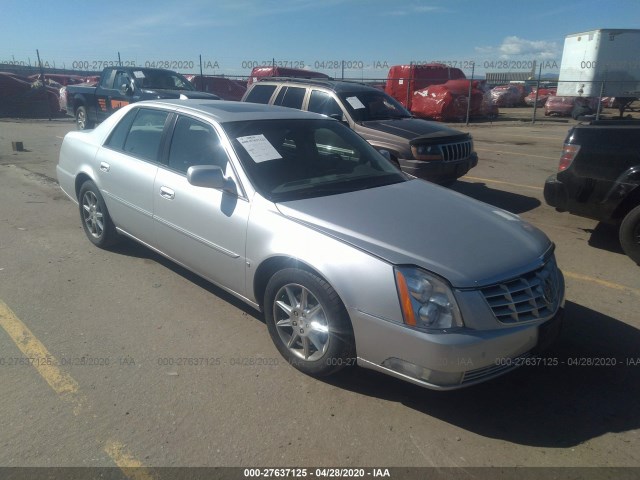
x=548 y=291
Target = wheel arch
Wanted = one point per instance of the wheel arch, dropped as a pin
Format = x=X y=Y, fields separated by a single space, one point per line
x=270 y=266
x=78 y=101
x=80 y=179
x=629 y=203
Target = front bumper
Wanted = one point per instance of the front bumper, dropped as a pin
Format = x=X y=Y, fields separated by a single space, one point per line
x=438 y=170
x=448 y=361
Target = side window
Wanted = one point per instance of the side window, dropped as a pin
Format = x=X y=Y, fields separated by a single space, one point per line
x=293 y=98
x=261 y=94
x=195 y=143
x=107 y=79
x=122 y=78
x=321 y=102
x=119 y=134
x=145 y=134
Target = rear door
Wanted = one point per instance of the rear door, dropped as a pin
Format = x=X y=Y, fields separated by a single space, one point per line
x=127 y=166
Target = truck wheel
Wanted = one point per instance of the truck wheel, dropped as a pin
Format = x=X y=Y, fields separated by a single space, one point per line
x=630 y=234
x=82 y=120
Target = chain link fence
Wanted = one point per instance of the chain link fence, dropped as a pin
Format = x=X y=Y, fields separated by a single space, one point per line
x=466 y=91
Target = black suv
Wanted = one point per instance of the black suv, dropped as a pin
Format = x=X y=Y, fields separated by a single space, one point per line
x=599 y=177
x=419 y=147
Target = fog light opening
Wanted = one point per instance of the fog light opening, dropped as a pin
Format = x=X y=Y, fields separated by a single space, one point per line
x=434 y=377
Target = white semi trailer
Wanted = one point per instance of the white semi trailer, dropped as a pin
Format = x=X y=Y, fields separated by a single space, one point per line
x=604 y=62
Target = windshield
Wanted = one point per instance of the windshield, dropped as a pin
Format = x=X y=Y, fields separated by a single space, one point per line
x=293 y=159
x=161 y=80
x=373 y=105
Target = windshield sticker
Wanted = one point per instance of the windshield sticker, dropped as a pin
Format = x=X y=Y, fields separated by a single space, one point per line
x=355 y=102
x=259 y=148
x=138 y=74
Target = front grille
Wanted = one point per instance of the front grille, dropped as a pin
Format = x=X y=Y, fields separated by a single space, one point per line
x=533 y=296
x=493 y=370
x=456 y=151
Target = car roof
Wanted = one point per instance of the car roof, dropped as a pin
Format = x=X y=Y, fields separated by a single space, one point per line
x=231 y=111
x=335 y=85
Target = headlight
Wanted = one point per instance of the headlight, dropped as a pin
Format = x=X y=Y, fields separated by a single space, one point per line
x=426 y=300
x=426 y=152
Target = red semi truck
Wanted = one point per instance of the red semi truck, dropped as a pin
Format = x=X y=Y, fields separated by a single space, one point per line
x=404 y=80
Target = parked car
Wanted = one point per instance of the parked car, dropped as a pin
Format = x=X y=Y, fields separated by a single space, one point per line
x=543 y=96
x=298 y=216
x=120 y=86
x=569 y=106
x=599 y=177
x=225 y=88
x=511 y=95
x=419 y=147
x=258 y=73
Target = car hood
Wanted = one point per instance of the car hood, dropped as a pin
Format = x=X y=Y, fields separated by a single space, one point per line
x=469 y=243
x=411 y=128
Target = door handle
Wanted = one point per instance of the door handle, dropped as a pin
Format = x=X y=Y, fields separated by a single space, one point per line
x=166 y=192
x=104 y=166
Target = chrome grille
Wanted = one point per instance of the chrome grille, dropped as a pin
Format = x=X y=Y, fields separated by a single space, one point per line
x=533 y=296
x=456 y=151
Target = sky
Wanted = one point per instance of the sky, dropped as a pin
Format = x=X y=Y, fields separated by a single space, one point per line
x=231 y=36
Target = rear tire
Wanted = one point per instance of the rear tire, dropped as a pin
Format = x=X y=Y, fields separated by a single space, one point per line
x=96 y=222
x=308 y=322
x=630 y=234
x=82 y=121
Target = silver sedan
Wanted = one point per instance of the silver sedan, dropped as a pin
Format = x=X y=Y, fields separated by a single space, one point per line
x=350 y=260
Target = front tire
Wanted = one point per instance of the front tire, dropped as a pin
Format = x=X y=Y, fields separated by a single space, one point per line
x=308 y=322
x=630 y=234
x=96 y=222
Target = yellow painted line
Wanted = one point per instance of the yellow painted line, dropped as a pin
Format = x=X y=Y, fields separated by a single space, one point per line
x=519 y=154
x=598 y=281
x=502 y=183
x=38 y=355
x=130 y=466
x=64 y=385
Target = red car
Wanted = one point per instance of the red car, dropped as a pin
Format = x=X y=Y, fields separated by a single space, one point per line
x=511 y=95
x=225 y=88
x=564 y=106
x=543 y=96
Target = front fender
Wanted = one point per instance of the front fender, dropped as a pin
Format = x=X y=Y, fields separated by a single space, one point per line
x=363 y=282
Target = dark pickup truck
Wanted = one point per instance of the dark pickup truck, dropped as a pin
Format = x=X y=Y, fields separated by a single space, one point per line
x=120 y=86
x=599 y=177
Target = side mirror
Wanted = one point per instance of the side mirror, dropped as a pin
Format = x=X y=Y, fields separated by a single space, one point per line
x=340 y=117
x=209 y=176
x=385 y=154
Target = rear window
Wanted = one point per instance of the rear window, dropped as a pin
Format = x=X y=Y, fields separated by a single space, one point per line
x=260 y=94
